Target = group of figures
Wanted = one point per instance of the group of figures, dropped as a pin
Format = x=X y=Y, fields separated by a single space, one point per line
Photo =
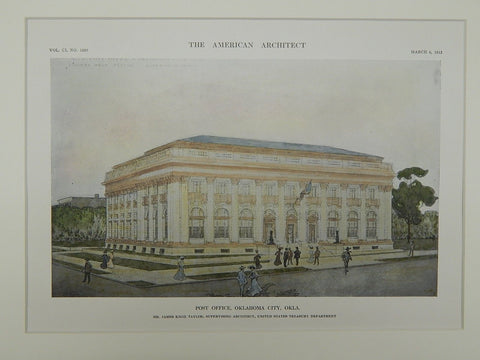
x=288 y=256
x=107 y=260
x=254 y=289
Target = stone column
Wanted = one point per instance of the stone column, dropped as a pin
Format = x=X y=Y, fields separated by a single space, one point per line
x=342 y=231
x=209 y=216
x=280 y=222
x=150 y=213
x=174 y=217
x=234 y=213
x=363 y=213
x=182 y=181
x=323 y=212
x=380 y=213
x=142 y=192
x=259 y=211
x=302 y=217
x=388 y=212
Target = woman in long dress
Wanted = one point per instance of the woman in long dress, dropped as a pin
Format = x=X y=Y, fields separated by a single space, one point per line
x=311 y=254
x=180 y=274
x=110 y=261
x=255 y=288
x=278 y=257
x=103 y=265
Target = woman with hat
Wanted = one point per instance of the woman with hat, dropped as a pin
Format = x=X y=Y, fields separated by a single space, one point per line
x=255 y=288
x=242 y=280
x=180 y=274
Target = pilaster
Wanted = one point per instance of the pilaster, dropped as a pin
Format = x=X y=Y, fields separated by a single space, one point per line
x=281 y=220
x=259 y=211
x=209 y=223
x=323 y=212
x=342 y=231
x=234 y=212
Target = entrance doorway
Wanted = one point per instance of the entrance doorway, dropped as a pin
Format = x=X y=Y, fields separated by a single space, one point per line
x=268 y=225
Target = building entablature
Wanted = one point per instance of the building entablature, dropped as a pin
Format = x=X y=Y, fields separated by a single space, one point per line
x=239 y=157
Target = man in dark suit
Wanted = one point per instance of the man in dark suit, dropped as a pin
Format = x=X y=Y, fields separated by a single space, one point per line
x=87 y=269
x=296 y=255
x=285 y=257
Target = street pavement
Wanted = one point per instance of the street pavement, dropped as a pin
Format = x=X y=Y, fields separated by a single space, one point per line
x=132 y=276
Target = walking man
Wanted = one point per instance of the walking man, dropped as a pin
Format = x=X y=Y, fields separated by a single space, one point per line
x=87 y=269
x=297 y=255
x=290 y=256
x=412 y=248
x=316 y=256
x=285 y=257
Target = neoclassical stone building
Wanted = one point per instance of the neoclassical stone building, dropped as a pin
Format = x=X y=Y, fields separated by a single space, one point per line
x=207 y=192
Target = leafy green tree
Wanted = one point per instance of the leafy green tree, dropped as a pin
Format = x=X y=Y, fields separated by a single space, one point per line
x=410 y=196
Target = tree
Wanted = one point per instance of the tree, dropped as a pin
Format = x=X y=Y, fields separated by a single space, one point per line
x=410 y=196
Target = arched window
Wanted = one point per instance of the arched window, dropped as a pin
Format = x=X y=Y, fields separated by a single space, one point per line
x=246 y=224
x=371 y=224
x=352 y=224
x=332 y=224
x=221 y=223
x=196 y=223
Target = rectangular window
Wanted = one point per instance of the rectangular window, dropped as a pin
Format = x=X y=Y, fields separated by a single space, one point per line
x=290 y=190
x=270 y=189
x=244 y=189
x=196 y=186
x=371 y=194
x=220 y=188
x=352 y=193
x=332 y=192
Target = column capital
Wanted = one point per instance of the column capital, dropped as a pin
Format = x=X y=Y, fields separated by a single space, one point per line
x=210 y=180
x=258 y=182
x=235 y=180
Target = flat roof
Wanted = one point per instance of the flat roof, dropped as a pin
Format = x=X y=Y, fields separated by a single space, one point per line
x=207 y=139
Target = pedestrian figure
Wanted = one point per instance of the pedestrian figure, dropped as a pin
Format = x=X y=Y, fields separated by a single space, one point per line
x=110 y=261
x=297 y=255
x=346 y=256
x=256 y=260
x=87 y=269
x=311 y=254
x=242 y=280
x=285 y=257
x=180 y=274
x=105 y=259
x=278 y=257
x=255 y=288
x=290 y=256
x=316 y=256
x=412 y=248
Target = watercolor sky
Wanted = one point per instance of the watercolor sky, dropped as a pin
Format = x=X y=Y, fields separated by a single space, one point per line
x=107 y=111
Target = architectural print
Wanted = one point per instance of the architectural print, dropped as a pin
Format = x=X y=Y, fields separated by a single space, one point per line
x=277 y=176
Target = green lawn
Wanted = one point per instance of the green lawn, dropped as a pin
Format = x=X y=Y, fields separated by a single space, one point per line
x=136 y=264
x=420 y=244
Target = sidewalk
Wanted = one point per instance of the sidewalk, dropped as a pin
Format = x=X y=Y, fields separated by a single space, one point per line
x=144 y=278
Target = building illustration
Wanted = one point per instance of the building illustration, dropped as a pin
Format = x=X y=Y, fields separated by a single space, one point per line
x=208 y=194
